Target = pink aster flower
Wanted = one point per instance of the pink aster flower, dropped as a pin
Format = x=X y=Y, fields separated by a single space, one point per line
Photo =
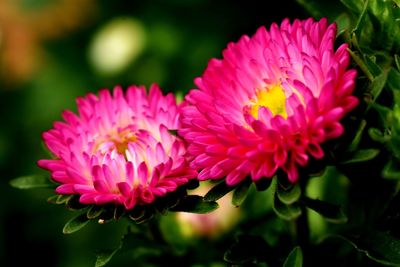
x=270 y=103
x=118 y=149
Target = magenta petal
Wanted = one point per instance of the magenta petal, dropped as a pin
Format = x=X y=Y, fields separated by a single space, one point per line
x=65 y=189
x=235 y=177
x=125 y=189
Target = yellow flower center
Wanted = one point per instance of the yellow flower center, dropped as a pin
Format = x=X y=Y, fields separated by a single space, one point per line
x=122 y=139
x=272 y=98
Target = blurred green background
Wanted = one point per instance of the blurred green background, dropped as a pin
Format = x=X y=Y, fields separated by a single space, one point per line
x=52 y=51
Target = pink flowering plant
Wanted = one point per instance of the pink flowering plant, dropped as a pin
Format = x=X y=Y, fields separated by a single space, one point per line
x=298 y=122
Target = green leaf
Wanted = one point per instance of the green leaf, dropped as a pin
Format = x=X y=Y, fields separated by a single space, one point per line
x=342 y=22
x=357 y=138
x=240 y=193
x=218 y=191
x=362 y=155
x=295 y=258
x=286 y=212
x=361 y=19
x=75 y=224
x=30 y=182
x=331 y=212
x=377 y=85
x=378 y=246
x=195 y=204
x=397 y=61
x=363 y=66
x=289 y=195
x=104 y=256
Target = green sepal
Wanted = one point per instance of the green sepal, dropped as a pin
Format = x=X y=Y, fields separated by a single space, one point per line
x=286 y=212
x=218 y=191
x=141 y=214
x=195 y=204
x=60 y=199
x=75 y=224
x=263 y=184
x=241 y=192
x=289 y=195
x=94 y=212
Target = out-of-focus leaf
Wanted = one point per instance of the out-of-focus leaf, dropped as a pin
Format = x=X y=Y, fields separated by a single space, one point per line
x=75 y=224
x=173 y=131
x=104 y=256
x=30 y=182
x=397 y=61
x=295 y=258
x=331 y=212
x=195 y=204
x=378 y=246
x=378 y=136
x=392 y=169
x=393 y=79
x=361 y=156
x=353 y=5
x=218 y=191
x=247 y=249
x=286 y=212
x=342 y=22
x=290 y=195
x=240 y=193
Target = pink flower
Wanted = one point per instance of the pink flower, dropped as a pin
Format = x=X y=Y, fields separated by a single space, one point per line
x=270 y=103
x=119 y=148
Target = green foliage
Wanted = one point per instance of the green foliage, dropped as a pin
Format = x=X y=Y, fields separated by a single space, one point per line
x=379 y=246
x=331 y=212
